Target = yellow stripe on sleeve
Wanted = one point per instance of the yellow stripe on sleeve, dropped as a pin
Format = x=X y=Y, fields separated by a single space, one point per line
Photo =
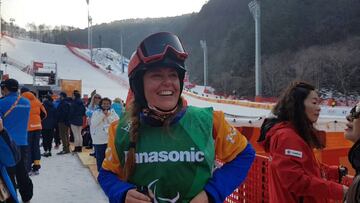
x=111 y=161
x=229 y=142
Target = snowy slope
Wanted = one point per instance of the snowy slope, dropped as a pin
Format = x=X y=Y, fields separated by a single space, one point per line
x=69 y=66
x=107 y=58
x=22 y=77
x=72 y=67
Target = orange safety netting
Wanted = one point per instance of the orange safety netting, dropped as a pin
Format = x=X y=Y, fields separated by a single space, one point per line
x=255 y=188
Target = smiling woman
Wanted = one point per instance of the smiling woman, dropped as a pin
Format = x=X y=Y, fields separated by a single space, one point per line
x=164 y=146
x=162 y=88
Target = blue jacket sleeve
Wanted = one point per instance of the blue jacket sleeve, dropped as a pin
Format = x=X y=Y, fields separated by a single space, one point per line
x=113 y=187
x=9 y=154
x=227 y=178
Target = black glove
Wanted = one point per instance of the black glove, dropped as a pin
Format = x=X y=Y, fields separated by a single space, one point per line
x=145 y=191
x=343 y=171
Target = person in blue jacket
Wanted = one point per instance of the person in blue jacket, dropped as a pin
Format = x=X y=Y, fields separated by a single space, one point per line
x=117 y=105
x=9 y=156
x=15 y=111
x=57 y=138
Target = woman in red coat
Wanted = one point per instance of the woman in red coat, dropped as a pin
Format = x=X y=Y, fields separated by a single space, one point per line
x=290 y=137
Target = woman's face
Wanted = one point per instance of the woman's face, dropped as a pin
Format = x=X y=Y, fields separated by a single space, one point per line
x=312 y=106
x=162 y=87
x=352 y=131
x=105 y=105
x=97 y=99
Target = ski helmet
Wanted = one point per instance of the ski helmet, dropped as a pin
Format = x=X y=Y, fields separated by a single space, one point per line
x=159 y=49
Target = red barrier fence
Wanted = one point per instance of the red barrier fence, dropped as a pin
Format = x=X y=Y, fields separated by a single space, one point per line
x=72 y=50
x=255 y=188
x=77 y=45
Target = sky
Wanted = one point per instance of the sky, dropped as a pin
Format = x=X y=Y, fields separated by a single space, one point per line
x=74 y=12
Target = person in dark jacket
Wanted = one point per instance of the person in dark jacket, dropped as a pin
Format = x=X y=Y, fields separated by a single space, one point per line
x=352 y=133
x=62 y=114
x=48 y=124
x=77 y=112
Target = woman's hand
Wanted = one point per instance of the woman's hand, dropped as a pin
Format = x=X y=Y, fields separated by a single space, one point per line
x=133 y=196
x=200 y=198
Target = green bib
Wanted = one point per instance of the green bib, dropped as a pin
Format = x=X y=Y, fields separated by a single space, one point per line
x=174 y=162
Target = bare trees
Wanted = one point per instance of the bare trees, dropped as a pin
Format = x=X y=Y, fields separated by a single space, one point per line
x=342 y=61
x=277 y=73
x=334 y=66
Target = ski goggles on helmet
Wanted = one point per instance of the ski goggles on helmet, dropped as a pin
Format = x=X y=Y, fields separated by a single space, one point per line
x=155 y=47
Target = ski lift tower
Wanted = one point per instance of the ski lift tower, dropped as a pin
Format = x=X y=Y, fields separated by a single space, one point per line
x=90 y=43
x=204 y=47
x=254 y=7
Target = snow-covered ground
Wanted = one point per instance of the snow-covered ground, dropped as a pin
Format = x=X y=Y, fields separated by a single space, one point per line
x=64 y=179
x=69 y=66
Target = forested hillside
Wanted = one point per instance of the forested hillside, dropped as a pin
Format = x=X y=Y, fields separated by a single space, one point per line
x=317 y=41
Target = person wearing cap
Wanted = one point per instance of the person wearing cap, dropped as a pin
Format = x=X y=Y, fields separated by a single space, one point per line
x=15 y=111
x=352 y=133
x=24 y=89
x=163 y=149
